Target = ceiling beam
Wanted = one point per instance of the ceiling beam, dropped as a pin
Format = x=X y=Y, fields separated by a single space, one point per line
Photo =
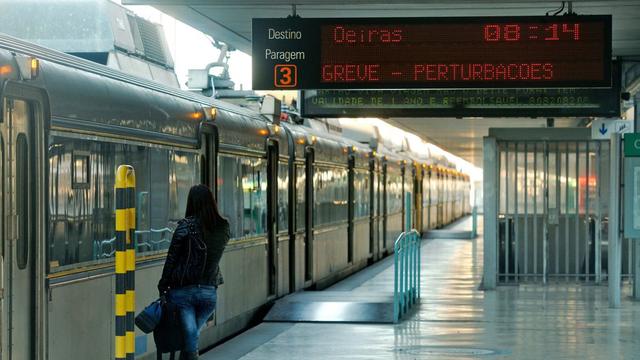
x=315 y=2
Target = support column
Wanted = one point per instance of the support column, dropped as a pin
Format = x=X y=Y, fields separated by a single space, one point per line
x=490 y=218
x=615 y=245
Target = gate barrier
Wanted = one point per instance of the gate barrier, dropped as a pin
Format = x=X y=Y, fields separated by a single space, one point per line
x=406 y=281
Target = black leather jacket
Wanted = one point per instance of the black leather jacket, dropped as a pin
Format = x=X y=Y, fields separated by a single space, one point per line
x=215 y=240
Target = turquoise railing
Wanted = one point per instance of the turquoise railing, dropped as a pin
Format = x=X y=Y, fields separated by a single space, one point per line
x=406 y=281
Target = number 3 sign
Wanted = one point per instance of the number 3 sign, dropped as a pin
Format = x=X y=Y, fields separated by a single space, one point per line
x=285 y=76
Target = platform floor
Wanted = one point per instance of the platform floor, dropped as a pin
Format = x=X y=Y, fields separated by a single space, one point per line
x=456 y=320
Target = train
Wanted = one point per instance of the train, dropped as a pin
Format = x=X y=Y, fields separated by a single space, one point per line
x=306 y=207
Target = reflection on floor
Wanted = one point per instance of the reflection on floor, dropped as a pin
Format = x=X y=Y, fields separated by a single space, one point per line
x=455 y=320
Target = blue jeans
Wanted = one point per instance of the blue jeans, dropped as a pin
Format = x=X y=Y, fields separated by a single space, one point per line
x=195 y=303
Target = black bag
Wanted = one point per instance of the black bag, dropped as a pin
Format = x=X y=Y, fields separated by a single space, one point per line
x=168 y=334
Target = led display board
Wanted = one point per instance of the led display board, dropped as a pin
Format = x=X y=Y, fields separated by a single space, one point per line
x=462 y=103
x=414 y=53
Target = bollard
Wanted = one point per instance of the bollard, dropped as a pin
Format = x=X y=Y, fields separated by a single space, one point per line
x=125 y=302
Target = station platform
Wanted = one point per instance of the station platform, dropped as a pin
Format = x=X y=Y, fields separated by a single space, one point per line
x=455 y=319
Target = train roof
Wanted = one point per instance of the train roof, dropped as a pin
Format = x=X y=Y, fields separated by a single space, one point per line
x=89 y=95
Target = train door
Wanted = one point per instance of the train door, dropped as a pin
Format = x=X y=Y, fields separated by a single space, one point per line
x=384 y=208
x=439 y=189
x=350 y=207
x=309 y=198
x=272 y=221
x=417 y=199
x=21 y=119
x=372 y=208
x=403 y=175
x=209 y=165
x=429 y=198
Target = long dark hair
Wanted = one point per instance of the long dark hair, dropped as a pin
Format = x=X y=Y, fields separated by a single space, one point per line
x=202 y=205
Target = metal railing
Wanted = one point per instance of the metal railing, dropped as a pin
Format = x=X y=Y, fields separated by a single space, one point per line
x=406 y=281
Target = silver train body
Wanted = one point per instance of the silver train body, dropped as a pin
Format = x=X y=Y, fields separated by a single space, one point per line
x=306 y=208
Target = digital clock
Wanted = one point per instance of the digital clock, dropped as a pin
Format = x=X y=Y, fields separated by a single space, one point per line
x=393 y=53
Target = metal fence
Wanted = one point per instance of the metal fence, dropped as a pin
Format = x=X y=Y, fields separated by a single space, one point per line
x=406 y=288
x=551 y=199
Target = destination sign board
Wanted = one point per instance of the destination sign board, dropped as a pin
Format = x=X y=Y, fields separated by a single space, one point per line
x=403 y=53
x=461 y=103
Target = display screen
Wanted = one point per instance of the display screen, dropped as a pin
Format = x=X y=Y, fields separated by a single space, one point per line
x=392 y=53
x=461 y=103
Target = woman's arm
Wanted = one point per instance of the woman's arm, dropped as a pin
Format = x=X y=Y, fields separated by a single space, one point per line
x=173 y=256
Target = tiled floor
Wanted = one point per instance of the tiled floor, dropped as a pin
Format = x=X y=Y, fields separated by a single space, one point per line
x=456 y=320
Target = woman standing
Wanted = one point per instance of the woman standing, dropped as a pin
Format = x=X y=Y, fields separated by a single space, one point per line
x=191 y=274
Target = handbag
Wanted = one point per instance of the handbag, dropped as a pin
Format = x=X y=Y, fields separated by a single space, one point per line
x=149 y=318
x=168 y=334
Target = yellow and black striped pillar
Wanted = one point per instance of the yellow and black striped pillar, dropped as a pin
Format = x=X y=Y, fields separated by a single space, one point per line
x=125 y=262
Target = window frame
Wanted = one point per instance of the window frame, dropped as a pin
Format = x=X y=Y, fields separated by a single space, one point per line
x=75 y=154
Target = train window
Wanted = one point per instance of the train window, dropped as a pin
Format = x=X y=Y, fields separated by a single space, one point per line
x=80 y=170
x=394 y=193
x=242 y=194
x=425 y=190
x=361 y=187
x=81 y=217
x=184 y=172
x=283 y=196
x=434 y=185
x=331 y=195
x=300 y=200
x=22 y=194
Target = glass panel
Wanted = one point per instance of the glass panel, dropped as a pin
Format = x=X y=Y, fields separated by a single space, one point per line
x=82 y=218
x=300 y=203
x=242 y=197
x=283 y=196
x=22 y=197
x=254 y=189
x=331 y=195
x=394 y=193
x=361 y=188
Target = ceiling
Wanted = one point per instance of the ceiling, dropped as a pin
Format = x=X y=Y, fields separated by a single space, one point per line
x=230 y=21
x=463 y=137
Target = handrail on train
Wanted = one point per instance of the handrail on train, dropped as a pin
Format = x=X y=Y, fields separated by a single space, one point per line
x=406 y=281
